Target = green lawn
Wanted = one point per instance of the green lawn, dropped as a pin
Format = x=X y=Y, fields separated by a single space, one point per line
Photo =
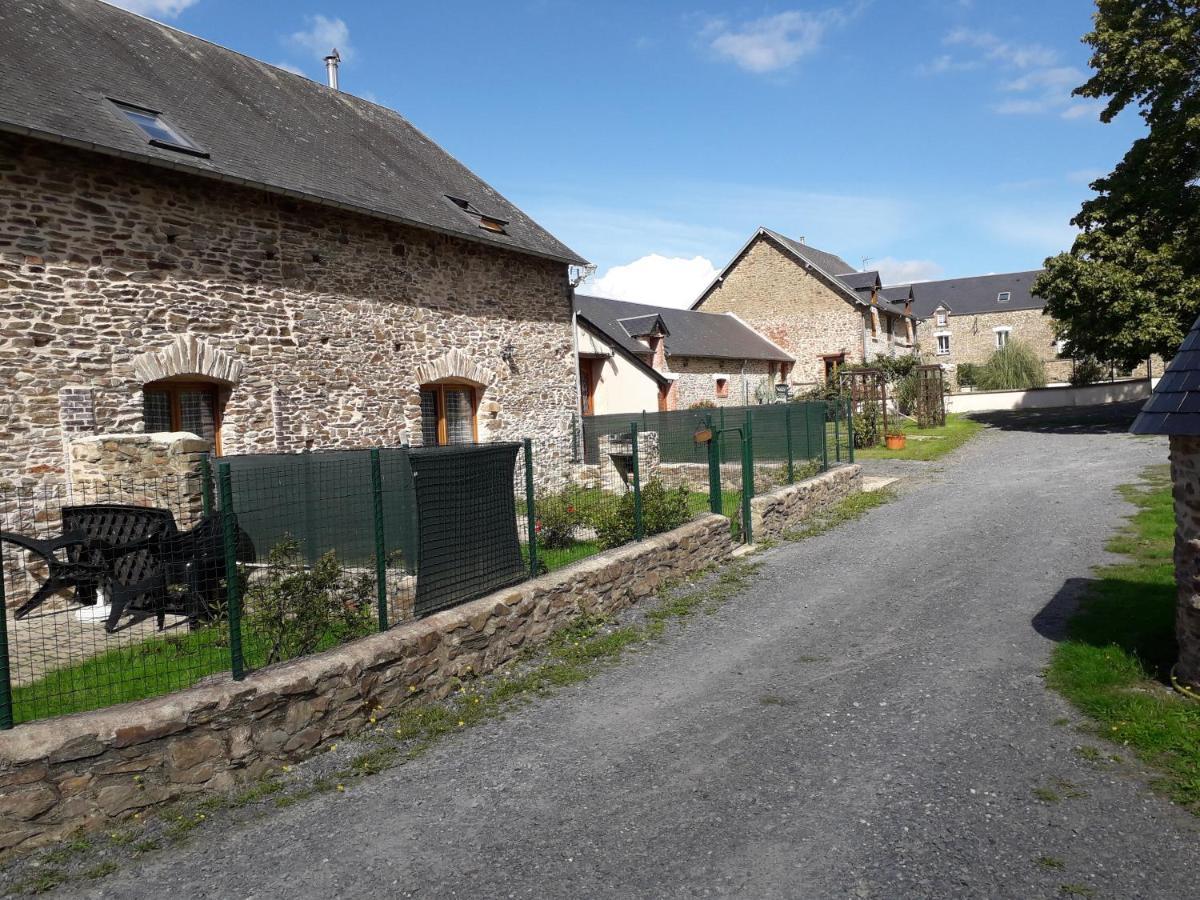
x=927 y=443
x=1116 y=663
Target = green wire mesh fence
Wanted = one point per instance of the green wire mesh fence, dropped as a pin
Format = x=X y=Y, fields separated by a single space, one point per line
x=120 y=589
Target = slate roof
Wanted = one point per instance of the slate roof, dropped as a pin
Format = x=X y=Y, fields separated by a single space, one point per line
x=897 y=295
x=829 y=263
x=260 y=125
x=860 y=281
x=689 y=333
x=1174 y=406
x=972 y=296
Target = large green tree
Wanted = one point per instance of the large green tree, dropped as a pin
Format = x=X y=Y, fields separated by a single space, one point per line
x=1130 y=285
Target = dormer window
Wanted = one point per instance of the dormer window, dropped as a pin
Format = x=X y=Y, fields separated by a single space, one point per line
x=941 y=318
x=1003 y=297
x=486 y=222
x=156 y=129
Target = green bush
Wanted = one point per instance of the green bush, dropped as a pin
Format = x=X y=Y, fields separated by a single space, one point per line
x=703 y=404
x=868 y=423
x=967 y=374
x=295 y=610
x=557 y=518
x=662 y=509
x=1014 y=367
x=1088 y=370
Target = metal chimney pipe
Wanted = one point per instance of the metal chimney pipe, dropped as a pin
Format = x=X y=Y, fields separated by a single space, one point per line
x=331 y=67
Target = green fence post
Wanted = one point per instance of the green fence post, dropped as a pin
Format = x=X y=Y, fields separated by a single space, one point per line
x=787 y=427
x=6 y=704
x=530 y=512
x=233 y=584
x=747 y=482
x=380 y=550
x=850 y=427
x=639 y=526
x=837 y=435
x=824 y=438
x=714 y=470
x=206 y=487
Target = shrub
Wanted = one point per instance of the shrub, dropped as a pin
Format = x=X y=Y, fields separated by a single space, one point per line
x=557 y=518
x=296 y=610
x=662 y=509
x=904 y=392
x=703 y=404
x=967 y=374
x=1088 y=370
x=867 y=422
x=1014 y=367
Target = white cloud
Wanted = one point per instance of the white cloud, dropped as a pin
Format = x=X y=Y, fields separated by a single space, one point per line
x=903 y=271
x=773 y=42
x=322 y=35
x=288 y=67
x=166 y=9
x=1042 y=87
x=660 y=280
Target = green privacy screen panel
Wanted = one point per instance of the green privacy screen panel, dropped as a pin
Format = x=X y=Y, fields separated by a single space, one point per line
x=468 y=543
x=325 y=500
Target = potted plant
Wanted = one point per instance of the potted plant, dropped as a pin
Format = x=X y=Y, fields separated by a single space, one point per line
x=895 y=440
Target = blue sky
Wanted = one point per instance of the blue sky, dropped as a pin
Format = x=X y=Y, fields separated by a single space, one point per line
x=936 y=137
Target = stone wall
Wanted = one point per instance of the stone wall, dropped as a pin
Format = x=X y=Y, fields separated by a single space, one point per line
x=973 y=340
x=320 y=324
x=696 y=380
x=1185 y=476
x=89 y=769
x=795 y=308
x=789 y=507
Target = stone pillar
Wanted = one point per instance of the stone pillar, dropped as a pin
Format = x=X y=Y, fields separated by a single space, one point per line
x=160 y=470
x=1185 y=476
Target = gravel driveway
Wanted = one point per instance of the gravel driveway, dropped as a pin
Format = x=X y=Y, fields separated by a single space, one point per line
x=868 y=721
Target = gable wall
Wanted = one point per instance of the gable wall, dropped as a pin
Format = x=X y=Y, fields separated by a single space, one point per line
x=796 y=309
x=331 y=315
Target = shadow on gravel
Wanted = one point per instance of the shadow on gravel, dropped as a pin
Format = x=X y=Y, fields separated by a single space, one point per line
x=1051 y=622
x=1110 y=418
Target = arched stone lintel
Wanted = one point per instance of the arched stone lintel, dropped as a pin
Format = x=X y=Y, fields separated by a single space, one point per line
x=455 y=364
x=187 y=355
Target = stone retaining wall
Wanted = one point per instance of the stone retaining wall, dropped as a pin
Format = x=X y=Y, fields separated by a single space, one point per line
x=788 y=507
x=89 y=769
x=1185 y=477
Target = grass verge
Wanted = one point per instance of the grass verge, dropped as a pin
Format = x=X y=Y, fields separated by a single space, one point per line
x=926 y=444
x=1115 y=664
x=853 y=507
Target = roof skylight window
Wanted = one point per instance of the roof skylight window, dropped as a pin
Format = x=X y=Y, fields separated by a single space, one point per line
x=1003 y=297
x=157 y=131
x=486 y=222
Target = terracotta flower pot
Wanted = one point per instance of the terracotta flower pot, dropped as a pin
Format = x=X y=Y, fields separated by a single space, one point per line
x=895 y=441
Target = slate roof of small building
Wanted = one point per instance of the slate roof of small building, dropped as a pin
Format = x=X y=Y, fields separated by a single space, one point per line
x=976 y=295
x=860 y=281
x=689 y=333
x=1174 y=405
x=898 y=295
x=260 y=125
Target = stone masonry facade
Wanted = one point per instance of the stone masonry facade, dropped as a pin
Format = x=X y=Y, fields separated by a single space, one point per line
x=696 y=380
x=800 y=311
x=319 y=325
x=91 y=769
x=1185 y=476
x=973 y=340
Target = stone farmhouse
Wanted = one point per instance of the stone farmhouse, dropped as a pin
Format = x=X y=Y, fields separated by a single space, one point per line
x=193 y=240
x=634 y=357
x=811 y=303
x=966 y=320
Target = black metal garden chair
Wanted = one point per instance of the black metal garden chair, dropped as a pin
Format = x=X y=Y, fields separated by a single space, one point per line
x=80 y=558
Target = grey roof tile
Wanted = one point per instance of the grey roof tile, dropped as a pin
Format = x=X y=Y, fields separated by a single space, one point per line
x=1174 y=407
x=689 y=333
x=972 y=296
x=260 y=125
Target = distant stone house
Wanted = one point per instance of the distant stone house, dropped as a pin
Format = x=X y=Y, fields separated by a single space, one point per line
x=811 y=303
x=966 y=320
x=192 y=240
x=634 y=357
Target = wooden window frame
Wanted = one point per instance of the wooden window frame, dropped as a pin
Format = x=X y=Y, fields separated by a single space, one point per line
x=440 y=388
x=174 y=388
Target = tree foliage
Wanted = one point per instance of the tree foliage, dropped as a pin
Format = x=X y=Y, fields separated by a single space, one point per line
x=1130 y=285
